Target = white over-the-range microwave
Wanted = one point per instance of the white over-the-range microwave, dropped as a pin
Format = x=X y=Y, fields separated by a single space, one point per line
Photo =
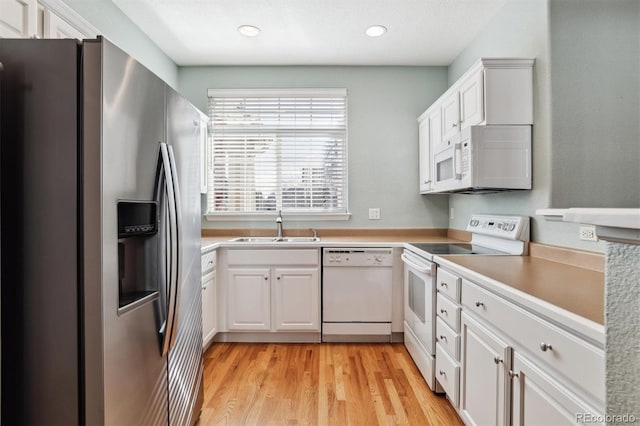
x=483 y=159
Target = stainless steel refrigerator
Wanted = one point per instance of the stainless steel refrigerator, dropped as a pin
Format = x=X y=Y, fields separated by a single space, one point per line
x=100 y=224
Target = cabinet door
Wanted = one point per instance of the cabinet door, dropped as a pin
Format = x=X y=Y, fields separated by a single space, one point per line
x=484 y=384
x=451 y=116
x=55 y=27
x=425 y=156
x=472 y=101
x=18 y=18
x=297 y=299
x=538 y=399
x=249 y=299
x=435 y=127
x=208 y=307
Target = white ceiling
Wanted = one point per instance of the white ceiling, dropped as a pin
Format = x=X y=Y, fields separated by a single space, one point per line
x=311 y=32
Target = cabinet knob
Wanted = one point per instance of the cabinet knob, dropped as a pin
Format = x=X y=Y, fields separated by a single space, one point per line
x=266 y=278
x=443 y=338
x=545 y=347
x=442 y=373
x=497 y=360
x=278 y=277
x=512 y=374
x=479 y=303
x=443 y=311
x=443 y=284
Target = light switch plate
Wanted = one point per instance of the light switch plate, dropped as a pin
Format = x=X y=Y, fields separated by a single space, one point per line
x=374 y=213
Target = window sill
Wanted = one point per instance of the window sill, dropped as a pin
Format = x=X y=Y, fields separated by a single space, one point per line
x=270 y=217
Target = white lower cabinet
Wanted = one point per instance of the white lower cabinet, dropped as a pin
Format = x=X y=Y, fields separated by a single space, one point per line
x=484 y=387
x=209 y=297
x=274 y=290
x=249 y=299
x=539 y=399
x=297 y=299
x=516 y=367
x=209 y=301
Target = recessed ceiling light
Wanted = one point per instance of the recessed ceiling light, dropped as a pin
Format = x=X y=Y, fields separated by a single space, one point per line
x=376 y=30
x=249 y=30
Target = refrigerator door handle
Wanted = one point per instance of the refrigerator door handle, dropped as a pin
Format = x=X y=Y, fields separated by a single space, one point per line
x=164 y=181
x=178 y=220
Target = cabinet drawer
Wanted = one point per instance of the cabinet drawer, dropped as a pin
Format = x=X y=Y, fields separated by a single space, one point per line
x=270 y=257
x=448 y=374
x=449 y=312
x=558 y=349
x=448 y=284
x=208 y=261
x=448 y=339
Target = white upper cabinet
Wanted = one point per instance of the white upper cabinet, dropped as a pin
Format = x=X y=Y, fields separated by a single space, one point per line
x=18 y=18
x=471 y=101
x=42 y=19
x=450 y=115
x=492 y=91
x=56 y=27
x=425 y=147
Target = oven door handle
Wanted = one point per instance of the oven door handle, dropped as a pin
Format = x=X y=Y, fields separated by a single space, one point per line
x=419 y=268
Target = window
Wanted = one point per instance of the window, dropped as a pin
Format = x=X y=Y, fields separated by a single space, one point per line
x=277 y=149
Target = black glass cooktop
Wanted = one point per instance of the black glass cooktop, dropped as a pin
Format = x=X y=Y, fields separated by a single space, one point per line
x=454 y=248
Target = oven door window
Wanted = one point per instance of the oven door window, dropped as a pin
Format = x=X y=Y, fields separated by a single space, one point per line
x=417 y=295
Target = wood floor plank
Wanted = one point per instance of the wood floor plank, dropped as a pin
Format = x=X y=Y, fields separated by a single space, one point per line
x=317 y=384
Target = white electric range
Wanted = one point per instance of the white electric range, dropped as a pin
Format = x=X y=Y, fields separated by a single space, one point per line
x=491 y=235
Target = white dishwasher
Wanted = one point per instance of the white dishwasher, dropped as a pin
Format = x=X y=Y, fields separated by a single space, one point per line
x=356 y=294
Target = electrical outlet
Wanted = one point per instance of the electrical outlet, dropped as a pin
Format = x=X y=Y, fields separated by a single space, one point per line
x=588 y=233
x=374 y=213
x=451 y=213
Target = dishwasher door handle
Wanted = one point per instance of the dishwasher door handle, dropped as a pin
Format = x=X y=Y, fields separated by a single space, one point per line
x=420 y=268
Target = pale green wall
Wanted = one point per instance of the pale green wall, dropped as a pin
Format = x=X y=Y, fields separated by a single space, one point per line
x=595 y=103
x=112 y=23
x=384 y=103
x=520 y=29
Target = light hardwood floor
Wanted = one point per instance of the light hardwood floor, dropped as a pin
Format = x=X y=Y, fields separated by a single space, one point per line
x=317 y=384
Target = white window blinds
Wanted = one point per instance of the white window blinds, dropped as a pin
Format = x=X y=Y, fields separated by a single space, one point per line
x=272 y=149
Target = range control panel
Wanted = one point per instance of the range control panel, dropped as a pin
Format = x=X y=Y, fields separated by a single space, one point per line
x=507 y=227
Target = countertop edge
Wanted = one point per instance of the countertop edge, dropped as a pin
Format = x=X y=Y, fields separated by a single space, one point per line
x=560 y=317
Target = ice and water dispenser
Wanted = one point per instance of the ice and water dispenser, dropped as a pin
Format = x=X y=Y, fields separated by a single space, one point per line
x=137 y=253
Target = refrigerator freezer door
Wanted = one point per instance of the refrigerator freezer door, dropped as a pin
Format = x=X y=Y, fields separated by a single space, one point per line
x=40 y=352
x=185 y=359
x=121 y=153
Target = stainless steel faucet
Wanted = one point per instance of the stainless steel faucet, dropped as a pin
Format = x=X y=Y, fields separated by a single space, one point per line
x=279 y=225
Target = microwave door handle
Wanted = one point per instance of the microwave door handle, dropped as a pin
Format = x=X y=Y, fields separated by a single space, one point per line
x=457 y=161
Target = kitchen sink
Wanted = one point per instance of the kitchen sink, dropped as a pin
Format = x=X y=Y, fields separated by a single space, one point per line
x=276 y=240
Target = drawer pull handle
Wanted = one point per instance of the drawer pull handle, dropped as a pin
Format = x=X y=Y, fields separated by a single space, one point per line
x=478 y=304
x=512 y=374
x=443 y=284
x=443 y=311
x=442 y=373
x=545 y=347
x=497 y=360
x=443 y=338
